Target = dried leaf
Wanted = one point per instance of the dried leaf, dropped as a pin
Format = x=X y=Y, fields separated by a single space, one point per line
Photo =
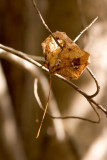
x=69 y=61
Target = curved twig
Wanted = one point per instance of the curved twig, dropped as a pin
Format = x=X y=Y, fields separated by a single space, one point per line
x=42 y=59
x=96 y=82
x=25 y=57
x=77 y=117
x=99 y=106
x=64 y=117
x=80 y=118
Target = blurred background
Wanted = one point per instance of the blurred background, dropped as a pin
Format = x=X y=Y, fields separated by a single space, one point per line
x=20 y=115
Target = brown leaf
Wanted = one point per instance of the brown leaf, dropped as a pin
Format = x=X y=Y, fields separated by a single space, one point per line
x=69 y=61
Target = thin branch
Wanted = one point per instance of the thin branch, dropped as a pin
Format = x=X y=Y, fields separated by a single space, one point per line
x=96 y=82
x=43 y=22
x=45 y=110
x=82 y=93
x=85 y=29
x=99 y=106
x=42 y=59
x=34 y=62
x=84 y=23
x=80 y=118
x=33 y=70
x=63 y=117
x=37 y=58
x=46 y=26
x=25 y=57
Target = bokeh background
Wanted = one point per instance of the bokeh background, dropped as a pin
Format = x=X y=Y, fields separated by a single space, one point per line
x=20 y=115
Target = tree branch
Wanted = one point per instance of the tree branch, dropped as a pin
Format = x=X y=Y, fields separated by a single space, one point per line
x=34 y=62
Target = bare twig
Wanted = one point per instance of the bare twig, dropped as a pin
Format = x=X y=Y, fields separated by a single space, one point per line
x=43 y=22
x=83 y=19
x=63 y=117
x=33 y=70
x=96 y=82
x=85 y=29
x=34 y=62
x=88 y=97
x=25 y=57
x=81 y=118
x=45 y=110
